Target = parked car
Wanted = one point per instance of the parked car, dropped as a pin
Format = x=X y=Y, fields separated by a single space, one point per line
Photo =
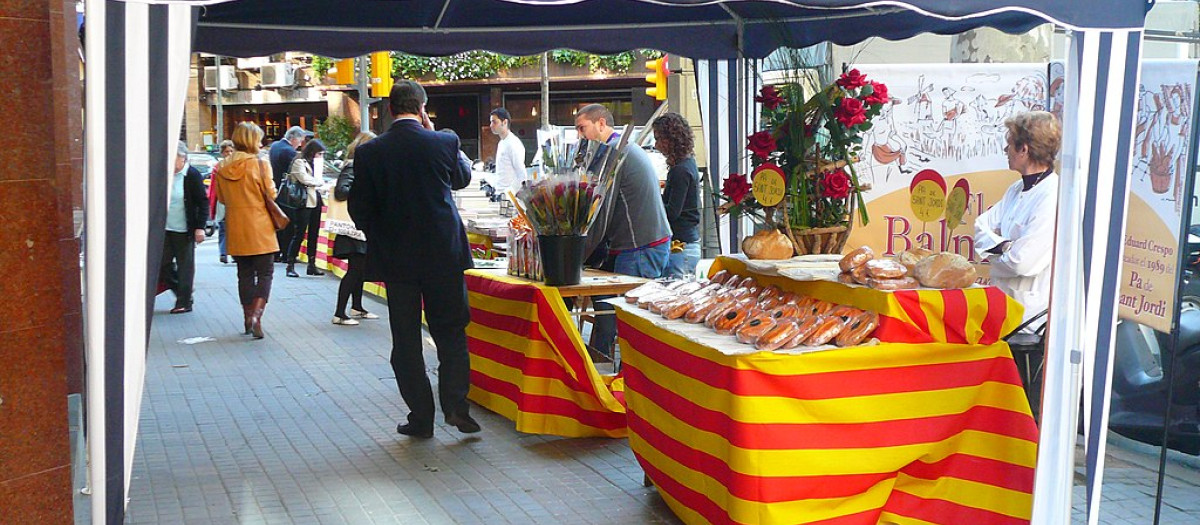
x=205 y=163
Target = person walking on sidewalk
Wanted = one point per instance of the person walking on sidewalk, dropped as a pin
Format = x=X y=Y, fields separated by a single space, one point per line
x=187 y=212
x=301 y=172
x=350 y=244
x=243 y=187
x=401 y=201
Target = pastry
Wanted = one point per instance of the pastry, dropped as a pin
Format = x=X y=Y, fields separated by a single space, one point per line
x=844 y=311
x=769 y=291
x=710 y=320
x=828 y=327
x=688 y=287
x=770 y=302
x=782 y=333
x=819 y=307
x=633 y=295
x=846 y=278
x=720 y=277
x=677 y=308
x=702 y=308
x=645 y=300
x=886 y=269
x=733 y=281
x=754 y=327
x=859 y=273
x=856 y=258
x=946 y=270
x=804 y=329
x=729 y=322
x=787 y=310
x=903 y=283
x=858 y=329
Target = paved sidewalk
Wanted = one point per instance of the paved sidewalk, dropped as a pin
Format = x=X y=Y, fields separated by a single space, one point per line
x=300 y=428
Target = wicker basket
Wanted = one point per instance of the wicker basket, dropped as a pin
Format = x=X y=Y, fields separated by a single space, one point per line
x=809 y=241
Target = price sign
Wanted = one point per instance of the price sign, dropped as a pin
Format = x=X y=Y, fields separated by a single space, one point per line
x=768 y=185
x=928 y=195
x=956 y=203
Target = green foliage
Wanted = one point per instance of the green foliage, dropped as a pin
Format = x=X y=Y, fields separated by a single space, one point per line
x=321 y=66
x=474 y=65
x=337 y=133
x=618 y=63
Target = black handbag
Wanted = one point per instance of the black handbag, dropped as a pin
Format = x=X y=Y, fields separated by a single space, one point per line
x=292 y=194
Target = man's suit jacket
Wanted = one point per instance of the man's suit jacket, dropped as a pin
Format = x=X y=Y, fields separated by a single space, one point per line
x=401 y=201
x=281 y=154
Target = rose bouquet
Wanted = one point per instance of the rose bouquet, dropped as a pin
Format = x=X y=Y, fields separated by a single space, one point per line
x=575 y=179
x=813 y=143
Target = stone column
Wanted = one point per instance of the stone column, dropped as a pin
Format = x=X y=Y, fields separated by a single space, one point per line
x=40 y=307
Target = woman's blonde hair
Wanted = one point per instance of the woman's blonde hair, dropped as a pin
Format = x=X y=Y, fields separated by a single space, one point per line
x=246 y=137
x=1040 y=131
x=361 y=138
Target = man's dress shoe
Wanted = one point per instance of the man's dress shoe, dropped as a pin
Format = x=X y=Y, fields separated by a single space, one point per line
x=415 y=430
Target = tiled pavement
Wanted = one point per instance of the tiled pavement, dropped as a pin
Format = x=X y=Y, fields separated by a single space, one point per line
x=300 y=428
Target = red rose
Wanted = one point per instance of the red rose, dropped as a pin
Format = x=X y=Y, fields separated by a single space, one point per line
x=852 y=80
x=850 y=112
x=736 y=187
x=878 y=96
x=836 y=185
x=761 y=144
x=769 y=98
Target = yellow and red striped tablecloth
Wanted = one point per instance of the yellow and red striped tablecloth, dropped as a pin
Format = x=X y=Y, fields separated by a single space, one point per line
x=976 y=315
x=529 y=364
x=893 y=433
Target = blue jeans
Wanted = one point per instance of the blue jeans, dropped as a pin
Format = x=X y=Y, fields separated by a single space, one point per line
x=649 y=263
x=221 y=236
x=683 y=264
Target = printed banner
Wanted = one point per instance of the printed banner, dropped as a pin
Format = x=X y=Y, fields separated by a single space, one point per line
x=1158 y=190
x=945 y=124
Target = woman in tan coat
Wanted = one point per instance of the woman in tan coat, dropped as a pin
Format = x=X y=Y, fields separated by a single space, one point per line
x=244 y=184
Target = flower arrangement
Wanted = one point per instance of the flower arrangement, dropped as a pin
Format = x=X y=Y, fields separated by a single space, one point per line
x=814 y=142
x=575 y=178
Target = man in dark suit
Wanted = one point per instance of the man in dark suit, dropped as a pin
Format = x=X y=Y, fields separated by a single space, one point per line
x=401 y=201
x=281 y=154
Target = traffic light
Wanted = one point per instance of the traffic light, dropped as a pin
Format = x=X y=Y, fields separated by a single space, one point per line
x=658 y=78
x=343 y=71
x=381 y=74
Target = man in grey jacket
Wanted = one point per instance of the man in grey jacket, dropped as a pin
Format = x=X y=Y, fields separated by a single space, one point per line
x=632 y=219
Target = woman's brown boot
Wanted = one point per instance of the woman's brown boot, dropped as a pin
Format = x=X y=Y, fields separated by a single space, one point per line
x=258 y=306
x=246 y=311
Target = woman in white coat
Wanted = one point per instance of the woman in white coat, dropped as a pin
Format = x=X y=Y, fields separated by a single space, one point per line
x=1016 y=236
x=301 y=171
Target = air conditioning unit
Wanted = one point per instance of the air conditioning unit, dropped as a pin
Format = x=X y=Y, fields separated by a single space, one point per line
x=279 y=74
x=228 y=78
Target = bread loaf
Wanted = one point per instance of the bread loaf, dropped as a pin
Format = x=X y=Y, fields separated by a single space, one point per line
x=910 y=258
x=945 y=270
x=768 y=244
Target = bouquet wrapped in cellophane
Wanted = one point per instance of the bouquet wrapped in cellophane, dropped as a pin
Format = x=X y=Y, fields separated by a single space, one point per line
x=524 y=254
x=577 y=178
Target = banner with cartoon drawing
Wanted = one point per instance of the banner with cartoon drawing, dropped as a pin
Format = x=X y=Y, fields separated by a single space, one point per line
x=1160 y=173
x=937 y=151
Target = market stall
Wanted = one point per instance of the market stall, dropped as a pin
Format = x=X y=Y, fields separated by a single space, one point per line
x=938 y=431
x=528 y=361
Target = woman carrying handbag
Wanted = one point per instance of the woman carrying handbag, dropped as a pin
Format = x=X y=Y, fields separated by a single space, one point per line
x=307 y=211
x=251 y=219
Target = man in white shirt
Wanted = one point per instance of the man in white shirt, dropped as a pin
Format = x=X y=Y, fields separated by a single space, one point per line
x=510 y=154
